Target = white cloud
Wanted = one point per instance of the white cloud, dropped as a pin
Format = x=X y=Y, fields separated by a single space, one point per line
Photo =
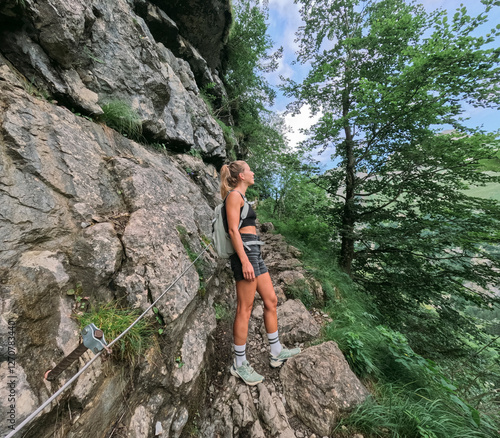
x=297 y=122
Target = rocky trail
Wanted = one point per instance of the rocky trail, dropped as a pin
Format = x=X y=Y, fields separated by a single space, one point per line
x=235 y=409
x=264 y=402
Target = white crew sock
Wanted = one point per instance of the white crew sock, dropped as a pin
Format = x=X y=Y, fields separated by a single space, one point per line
x=239 y=351
x=274 y=343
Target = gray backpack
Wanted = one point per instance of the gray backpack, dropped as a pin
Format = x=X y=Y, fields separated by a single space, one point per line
x=220 y=238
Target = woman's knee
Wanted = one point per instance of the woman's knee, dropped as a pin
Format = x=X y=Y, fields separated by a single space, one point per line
x=271 y=302
x=244 y=311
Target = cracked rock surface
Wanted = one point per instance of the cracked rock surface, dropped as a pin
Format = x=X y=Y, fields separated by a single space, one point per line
x=90 y=218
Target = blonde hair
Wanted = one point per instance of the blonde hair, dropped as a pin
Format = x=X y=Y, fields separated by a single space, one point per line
x=229 y=176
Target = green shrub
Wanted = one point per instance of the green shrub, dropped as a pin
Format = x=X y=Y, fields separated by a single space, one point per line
x=229 y=136
x=452 y=395
x=120 y=116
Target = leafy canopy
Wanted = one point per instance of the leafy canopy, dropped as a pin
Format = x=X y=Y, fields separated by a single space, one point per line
x=386 y=77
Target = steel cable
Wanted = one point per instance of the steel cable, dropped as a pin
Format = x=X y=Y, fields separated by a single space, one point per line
x=121 y=335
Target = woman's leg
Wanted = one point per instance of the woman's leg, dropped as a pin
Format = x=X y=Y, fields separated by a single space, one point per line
x=266 y=291
x=245 y=291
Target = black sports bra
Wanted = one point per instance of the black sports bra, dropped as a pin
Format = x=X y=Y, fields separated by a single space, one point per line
x=249 y=221
x=251 y=218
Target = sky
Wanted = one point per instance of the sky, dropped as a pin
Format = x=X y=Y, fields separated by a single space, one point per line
x=284 y=20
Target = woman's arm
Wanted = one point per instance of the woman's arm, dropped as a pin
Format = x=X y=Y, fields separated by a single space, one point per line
x=234 y=202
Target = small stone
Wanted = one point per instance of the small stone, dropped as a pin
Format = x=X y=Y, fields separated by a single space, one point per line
x=158 y=428
x=85 y=225
x=299 y=434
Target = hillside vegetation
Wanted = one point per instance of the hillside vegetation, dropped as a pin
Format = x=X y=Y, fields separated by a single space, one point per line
x=404 y=234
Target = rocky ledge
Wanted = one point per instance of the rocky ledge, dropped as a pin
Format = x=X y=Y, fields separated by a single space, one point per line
x=308 y=395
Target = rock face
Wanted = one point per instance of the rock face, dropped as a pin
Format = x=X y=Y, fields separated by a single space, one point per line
x=89 y=217
x=319 y=386
x=88 y=55
x=82 y=204
x=295 y=323
x=205 y=23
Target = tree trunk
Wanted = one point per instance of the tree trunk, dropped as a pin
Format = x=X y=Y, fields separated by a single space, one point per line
x=348 y=215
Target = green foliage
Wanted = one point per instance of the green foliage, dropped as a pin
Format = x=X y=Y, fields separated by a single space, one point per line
x=81 y=301
x=294 y=202
x=384 y=355
x=299 y=290
x=159 y=146
x=207 y=97
x=159 y=320
x=353 y=326
x=248 y=57
x=229 y=136
x=120 y=116
x=222 y=313
x=113 y=320
x=409 y=233
x=30 y=86
x=194 y=153
x=248 y=93
x=414 y=395
x=397 y=412
x=492 y=164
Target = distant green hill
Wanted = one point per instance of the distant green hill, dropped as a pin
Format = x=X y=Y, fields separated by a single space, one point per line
x=493 y=164
x=491 y=190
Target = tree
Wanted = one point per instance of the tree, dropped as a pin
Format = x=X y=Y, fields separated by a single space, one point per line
x=248 y=56
x=386 y=75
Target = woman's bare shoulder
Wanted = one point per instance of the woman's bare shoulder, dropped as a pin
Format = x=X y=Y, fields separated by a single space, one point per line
x=234 y=198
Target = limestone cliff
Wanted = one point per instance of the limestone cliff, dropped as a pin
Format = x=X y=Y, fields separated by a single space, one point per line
x=83 y=206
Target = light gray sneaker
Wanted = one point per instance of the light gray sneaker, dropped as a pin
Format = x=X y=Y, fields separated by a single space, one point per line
x=247 y=373
x=285 y=354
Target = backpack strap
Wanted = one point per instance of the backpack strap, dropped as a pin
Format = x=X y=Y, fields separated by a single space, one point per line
x=252 y=242
x=246 y=207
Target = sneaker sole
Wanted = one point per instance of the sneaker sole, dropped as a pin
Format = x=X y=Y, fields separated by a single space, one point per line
x=277 y=363
x=235 y=374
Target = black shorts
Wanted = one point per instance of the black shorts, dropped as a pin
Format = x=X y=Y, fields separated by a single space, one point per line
x=254 y=256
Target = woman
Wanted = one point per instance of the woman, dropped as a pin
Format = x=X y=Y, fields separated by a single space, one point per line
x=250 y=273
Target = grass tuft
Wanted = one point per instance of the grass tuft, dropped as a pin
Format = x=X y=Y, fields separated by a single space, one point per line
x=113 y=321
x=120 y=116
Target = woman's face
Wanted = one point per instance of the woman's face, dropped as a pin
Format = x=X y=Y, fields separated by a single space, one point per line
x=247 y=175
